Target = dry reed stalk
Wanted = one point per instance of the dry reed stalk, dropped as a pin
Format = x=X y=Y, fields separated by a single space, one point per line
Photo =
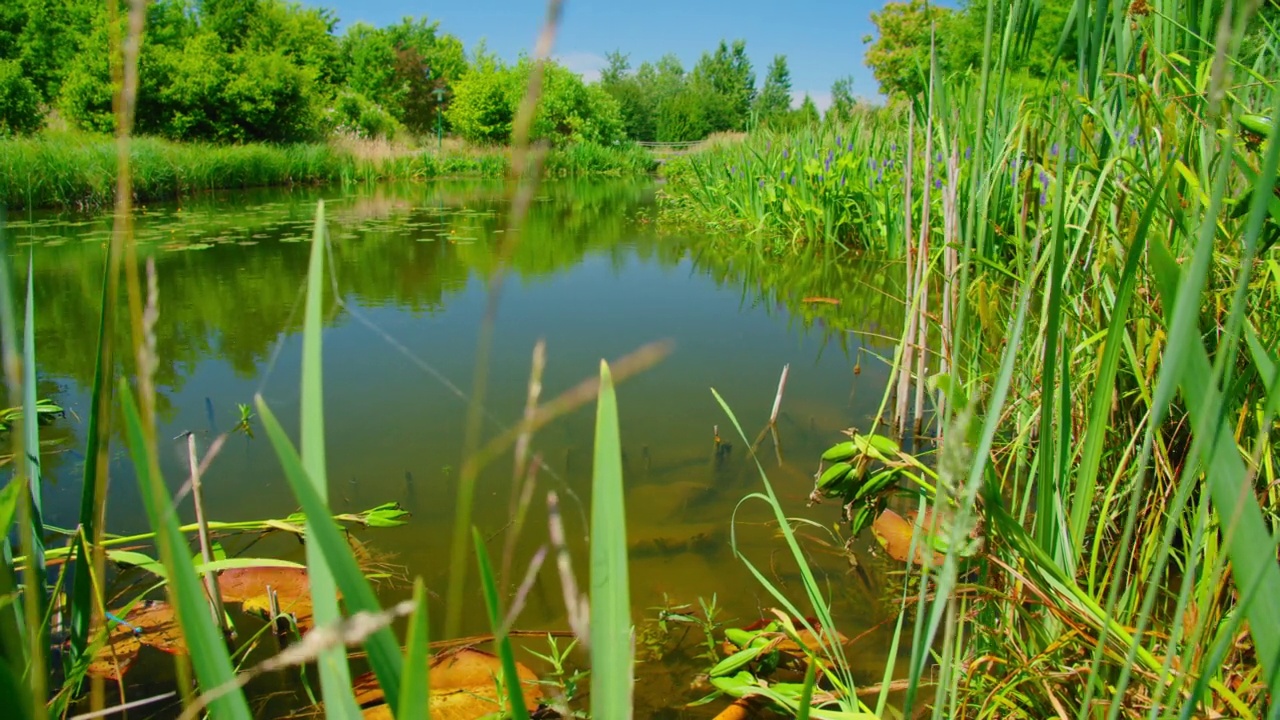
x=202 y=531
x=777 y=399
x=904 y=359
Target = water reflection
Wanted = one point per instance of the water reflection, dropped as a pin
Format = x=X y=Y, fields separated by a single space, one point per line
x=590 y=274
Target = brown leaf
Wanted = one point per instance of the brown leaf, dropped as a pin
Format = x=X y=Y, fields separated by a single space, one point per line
x=894 y=534
x=156 y=626
x=463 y=687
x=249 y=586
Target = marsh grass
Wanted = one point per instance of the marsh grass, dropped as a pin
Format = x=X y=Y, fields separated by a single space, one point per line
x=77 y=170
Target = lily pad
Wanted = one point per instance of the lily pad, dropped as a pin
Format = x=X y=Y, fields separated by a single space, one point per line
x=249 y=587
x=151 y=623
x=464 y=686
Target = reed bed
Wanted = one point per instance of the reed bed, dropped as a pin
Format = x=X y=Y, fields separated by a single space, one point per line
x=73 y=170
x=1091 y=290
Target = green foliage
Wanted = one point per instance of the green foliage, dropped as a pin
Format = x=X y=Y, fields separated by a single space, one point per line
x=727 y=86
x=774 y=99
x=19 y=101
x=487 y=98
x=899 y=55
x=842 y=101
x=401 y=66
x=356 y=115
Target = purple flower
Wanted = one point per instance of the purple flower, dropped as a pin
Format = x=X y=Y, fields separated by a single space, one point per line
x=827 y=164
x=893 y=147
x=889 y=163
x=880 y=174
x=840 y=140
x=871 y=163
x=937 y=184
x=785 y=154
x=761 y=182
x=937 y=158
x=842 y=181
x=968 y=152
x=1054 y=150
x=1044 y=179
x=850 y=148
x=1044 y=199
x=822 y=178
x=784 y=175
x=1133 y=139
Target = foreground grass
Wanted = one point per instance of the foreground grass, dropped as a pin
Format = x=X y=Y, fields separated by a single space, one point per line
x=79 y=171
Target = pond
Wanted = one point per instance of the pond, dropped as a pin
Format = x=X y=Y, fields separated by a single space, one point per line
x=592 y=275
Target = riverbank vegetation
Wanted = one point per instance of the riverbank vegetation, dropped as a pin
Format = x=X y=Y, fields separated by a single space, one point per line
x=1088 y=247
x=78 y=170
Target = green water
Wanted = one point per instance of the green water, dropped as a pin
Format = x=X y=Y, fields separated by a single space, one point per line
x=591 y=275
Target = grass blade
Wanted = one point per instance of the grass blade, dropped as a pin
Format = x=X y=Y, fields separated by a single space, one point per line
x=611 y=644
x=415 y=699
x=335 y=675
x=502 y=642
x=326 y=538
x=205 y=643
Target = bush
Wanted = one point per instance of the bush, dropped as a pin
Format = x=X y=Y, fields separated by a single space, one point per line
x=19 y=101
x=481 y=111
x=355 y=114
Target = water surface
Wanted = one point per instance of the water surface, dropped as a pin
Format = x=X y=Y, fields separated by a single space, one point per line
x=588 y=273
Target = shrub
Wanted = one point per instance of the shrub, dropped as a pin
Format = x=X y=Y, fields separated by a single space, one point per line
x=355 y=114
x=19 y=101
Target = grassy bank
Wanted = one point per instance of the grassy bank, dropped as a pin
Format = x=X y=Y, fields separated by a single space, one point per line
x=79 y=171
x=1092 y=289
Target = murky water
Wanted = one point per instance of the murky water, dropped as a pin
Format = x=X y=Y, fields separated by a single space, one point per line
x=592 y=276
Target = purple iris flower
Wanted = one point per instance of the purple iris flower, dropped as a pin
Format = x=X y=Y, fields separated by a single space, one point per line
x=937 y=184
x=840 y=140
x=827 y=164
x=850 y=148
x=1044 y=179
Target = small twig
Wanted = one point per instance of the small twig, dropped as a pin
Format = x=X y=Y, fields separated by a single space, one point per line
x=126 y=706
x=202 y=530
x=777 y=399
x=576 y=605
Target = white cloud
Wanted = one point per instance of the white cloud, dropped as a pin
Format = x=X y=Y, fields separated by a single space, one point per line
x=586 y=64
x=821 y=98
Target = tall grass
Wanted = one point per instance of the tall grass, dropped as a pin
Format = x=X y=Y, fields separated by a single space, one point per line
x=79 y=170
x=1112 y=332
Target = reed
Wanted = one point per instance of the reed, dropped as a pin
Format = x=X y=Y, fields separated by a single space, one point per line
x=78 y=171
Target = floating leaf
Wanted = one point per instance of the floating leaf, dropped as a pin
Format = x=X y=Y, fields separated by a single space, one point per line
x=894 y=533
x=249 y=586
x=464 y=686
x=150 y=623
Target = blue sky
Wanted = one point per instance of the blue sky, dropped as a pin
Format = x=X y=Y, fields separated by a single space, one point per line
x=822 y=40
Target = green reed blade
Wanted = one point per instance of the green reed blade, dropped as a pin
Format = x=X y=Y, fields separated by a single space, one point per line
x=415 y=696
x=611 y=658
x=1227 y=478
x=92 y=497
x=1104 y=388
x=514 y=694
x=335 y=676
x=327 y=539
x=205 y=643
x=31 y=423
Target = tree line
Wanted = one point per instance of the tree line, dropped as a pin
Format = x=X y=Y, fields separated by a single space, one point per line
x=276 y=71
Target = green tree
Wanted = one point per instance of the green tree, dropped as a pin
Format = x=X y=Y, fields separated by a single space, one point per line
x=481 y=110
x=52 y=37
x=726 y=85
x=807 y=114
x=230 y=20
x=899 y=53
x=634 y=94
x=774 y=99
x=842 y=100
x=401 y=66
x=19 y=101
